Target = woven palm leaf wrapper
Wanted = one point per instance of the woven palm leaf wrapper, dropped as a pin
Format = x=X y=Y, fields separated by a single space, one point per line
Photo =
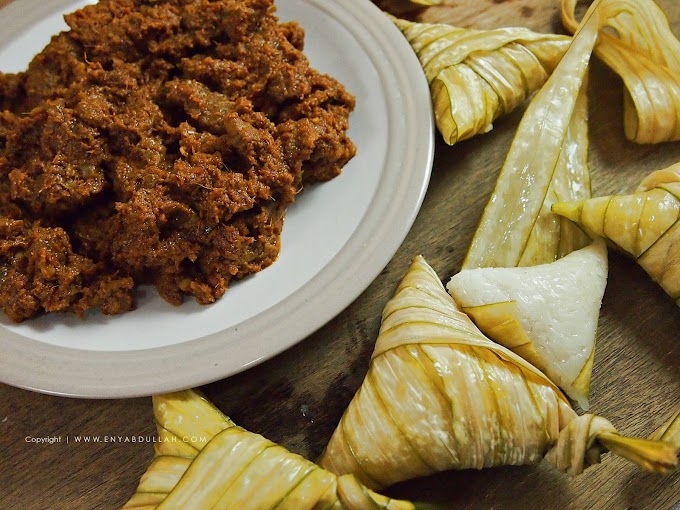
x=203 y=460
x=439 y=395
x=636 y=42
x=476 y=76
x=524 y=280
x=645 y=224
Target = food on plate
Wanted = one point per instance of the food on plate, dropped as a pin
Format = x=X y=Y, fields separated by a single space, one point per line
x=439 y=395
x=476 y=76
x=160 y=143
x=636 y=41
x=203 y=460
x=547 y=314
x=644 y=224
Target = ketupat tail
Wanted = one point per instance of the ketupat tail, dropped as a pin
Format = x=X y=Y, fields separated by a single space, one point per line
x=583 y=440
x=203 y=460
x=669 y=431
x=439 y=395
x=636 y=41
x=644 y=224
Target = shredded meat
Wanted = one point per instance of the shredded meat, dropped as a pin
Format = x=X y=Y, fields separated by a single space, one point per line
x=158 y=142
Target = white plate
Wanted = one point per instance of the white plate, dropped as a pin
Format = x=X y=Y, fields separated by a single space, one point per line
x=336 y=239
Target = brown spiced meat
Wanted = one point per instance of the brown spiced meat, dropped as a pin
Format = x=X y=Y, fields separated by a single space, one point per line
x=159 y=142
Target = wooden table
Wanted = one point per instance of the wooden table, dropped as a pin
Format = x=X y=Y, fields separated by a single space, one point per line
x=297 y=398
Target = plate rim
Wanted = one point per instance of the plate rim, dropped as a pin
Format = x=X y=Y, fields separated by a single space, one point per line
x=62 y=371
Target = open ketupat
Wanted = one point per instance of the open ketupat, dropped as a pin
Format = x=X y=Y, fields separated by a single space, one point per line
x=439 y=395
x=547 y=314
x=519 y=282
x=644 y=224
x=203 y=460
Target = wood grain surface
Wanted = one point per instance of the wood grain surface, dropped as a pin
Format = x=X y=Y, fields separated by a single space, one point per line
x=297 y=398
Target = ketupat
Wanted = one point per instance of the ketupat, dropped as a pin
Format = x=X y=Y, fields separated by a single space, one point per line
x=203 y=460
x=439 y=395
x=547 y=313
x=636 y=42
x=476 y=76
x=644 y=224
x=547 y=162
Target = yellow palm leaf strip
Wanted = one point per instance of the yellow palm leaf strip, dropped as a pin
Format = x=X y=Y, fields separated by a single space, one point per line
x=509 y=437
x=144 y=501
x=355 y=496
x=546 y=161
x=427 y=2
x=636 y=41
x=415 y=326
x=186 y=422
x=159 y=479
x=499 y=321
x=439 y=395
x=669 y=431
x=268 y=480
x=215 y=469
x=389 y=442
x=186 y=419
x=553 y=237
x=582 y=442
x=163 y=474
x=170 y=444
x=645 y=224
x=476 y=76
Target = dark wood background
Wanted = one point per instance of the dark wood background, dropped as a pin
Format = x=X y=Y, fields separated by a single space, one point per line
x=298 y=397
